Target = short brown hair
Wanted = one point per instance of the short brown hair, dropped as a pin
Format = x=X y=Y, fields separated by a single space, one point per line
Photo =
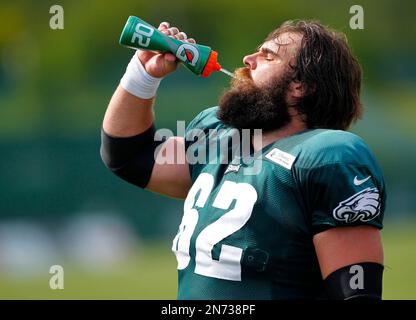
x=330 y=73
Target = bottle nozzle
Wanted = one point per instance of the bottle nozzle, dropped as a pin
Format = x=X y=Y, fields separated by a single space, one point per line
x=211 y=65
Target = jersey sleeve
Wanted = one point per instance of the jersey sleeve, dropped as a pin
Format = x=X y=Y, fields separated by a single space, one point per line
x=348 y=192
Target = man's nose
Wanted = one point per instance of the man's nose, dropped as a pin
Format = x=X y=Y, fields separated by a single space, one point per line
x=250 y=61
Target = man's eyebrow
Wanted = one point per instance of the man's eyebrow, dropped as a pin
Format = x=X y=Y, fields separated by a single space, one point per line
x=267 y=50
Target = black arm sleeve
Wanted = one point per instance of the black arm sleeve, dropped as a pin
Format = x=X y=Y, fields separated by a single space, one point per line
x=131 y=158
x=357 y=281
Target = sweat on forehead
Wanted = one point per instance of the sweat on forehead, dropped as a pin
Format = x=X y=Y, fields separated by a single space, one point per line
x=283 y=42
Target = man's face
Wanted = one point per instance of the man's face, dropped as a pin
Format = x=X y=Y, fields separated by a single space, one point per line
x=273 y=57
x=261 y=94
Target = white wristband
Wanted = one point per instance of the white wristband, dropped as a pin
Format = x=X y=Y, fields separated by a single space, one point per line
x=137 y=81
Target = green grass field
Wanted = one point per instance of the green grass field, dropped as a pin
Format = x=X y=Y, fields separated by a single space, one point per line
x=152 y=274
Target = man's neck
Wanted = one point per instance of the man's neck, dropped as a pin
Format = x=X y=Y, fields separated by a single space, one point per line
x=262 y=140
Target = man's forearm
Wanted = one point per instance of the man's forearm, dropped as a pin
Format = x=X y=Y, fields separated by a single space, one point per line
x=128 y=147
x=127 y=115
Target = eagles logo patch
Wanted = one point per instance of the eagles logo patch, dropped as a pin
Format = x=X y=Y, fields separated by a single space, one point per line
x=364 y=206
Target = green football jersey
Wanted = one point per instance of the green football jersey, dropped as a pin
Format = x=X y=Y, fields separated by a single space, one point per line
x=249 y=220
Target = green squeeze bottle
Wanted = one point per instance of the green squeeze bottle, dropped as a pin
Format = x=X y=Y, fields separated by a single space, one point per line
x=200 y=59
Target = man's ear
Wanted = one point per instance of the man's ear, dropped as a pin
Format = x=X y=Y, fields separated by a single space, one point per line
x=298 y=89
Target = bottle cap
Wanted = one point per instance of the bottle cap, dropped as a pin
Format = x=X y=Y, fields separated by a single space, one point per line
x=211 y=65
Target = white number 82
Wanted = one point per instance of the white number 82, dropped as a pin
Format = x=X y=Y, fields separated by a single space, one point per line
x=228 y=266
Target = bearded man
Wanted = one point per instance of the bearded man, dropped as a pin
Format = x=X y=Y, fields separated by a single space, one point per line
x=306 y=223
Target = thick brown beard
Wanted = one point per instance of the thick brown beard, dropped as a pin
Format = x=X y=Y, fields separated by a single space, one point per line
x=246 y=106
